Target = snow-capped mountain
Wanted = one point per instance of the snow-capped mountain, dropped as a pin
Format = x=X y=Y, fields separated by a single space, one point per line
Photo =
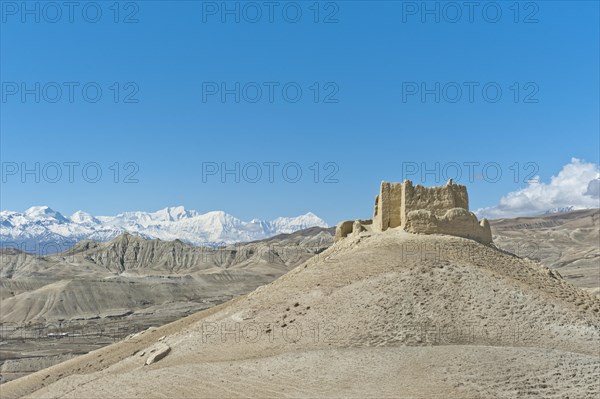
x=42 y=230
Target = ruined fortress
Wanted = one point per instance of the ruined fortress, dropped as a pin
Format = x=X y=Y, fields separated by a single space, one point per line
x=421 y=210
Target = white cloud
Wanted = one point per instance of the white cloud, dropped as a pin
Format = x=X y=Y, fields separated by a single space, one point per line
x=593 y=189
x=576 y=186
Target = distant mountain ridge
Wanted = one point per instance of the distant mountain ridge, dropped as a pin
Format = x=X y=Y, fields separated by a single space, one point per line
x=43 y=230
x=560 y=210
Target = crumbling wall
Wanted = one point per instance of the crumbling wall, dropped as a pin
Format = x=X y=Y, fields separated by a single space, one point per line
x=342 y=229
x=426 y=210
x=347 y=227
x=437 y=200
x=396 y=200
x=387 y=206
x=456 y=222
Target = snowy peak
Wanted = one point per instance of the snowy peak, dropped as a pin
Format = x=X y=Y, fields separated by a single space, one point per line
x=44 y=213
x=177 y=213
x=291 y=224
x=41 y=226
x=81 y=217
x=169 y=214
x=173 y=214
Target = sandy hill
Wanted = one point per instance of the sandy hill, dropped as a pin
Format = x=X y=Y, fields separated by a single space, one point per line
x=388 y=314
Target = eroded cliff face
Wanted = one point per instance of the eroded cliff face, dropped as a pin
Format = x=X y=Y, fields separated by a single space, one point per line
x=422 y=210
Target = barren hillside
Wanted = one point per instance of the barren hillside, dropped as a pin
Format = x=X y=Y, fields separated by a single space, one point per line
x=568 y=242
x=377 y=315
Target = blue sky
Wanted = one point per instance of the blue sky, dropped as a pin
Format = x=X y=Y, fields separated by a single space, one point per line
x=361 y=67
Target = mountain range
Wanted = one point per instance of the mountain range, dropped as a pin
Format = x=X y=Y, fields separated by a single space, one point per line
x=42 y=230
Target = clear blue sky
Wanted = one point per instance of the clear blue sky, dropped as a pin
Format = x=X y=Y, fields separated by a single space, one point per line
x=368 y=62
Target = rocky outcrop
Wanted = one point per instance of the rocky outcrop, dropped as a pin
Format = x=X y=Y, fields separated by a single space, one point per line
x=422 y=210
x=157 y=353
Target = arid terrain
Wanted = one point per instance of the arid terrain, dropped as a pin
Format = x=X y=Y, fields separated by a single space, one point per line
x=390 y=314
x=55 y=307
x=441 y=315
x=568 y=242
x=299 y=200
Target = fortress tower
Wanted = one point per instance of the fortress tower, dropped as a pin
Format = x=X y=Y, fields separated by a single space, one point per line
x=422 y=210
